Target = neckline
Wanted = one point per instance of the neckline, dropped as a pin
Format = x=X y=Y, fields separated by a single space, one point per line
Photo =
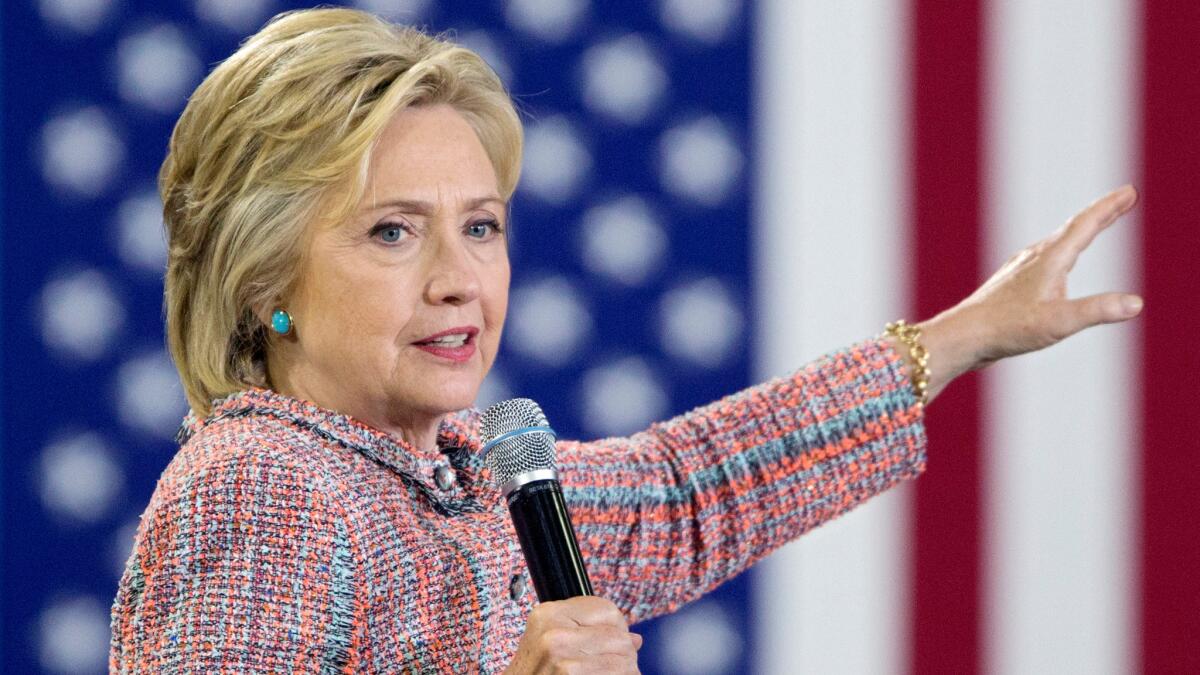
x=457 y=431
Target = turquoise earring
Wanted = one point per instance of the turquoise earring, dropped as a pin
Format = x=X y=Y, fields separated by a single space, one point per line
x=282 y=322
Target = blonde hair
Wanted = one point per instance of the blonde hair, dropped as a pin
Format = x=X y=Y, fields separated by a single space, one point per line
x=280 y=135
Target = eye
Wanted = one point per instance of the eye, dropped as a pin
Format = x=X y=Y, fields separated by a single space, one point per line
x=389 y=233
x=483 y=228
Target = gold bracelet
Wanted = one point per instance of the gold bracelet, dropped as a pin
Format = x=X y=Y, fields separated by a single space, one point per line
x=911 y=335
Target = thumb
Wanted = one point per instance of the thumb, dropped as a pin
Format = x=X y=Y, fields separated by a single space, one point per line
x=1100 y=308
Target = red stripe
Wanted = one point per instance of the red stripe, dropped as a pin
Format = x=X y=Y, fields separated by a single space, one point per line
x=947 y=160
x=1170 y=640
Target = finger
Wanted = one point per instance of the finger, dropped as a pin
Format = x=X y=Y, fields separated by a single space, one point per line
x=586 y=641
x=606 y=665
x=609 y=664
x=590 y=610
x=1079 y=232
x=596 y=640
x=622 y=665
x=1095 y=310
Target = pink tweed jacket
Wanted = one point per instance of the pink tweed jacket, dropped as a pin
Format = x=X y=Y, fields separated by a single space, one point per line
x=284 y=537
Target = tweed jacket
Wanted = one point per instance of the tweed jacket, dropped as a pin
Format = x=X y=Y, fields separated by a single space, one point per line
x=284 y=537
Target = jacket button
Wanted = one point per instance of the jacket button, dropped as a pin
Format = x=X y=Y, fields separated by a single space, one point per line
x=516 y=590
x=444 y=477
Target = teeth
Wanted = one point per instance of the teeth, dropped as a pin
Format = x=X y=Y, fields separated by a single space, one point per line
x=456 y=340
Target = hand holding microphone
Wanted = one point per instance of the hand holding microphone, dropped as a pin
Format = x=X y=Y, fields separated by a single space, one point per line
x=572 y=630
x=585 y=634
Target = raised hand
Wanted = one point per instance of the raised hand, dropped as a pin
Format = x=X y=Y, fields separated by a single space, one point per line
x=1024 y=306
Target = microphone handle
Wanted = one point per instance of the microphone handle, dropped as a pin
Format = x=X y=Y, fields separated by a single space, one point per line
x=543 y=526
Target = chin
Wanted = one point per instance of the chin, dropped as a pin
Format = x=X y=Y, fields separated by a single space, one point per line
x=448 y=397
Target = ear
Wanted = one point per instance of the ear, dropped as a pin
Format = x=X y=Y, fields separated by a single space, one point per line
x=263 y=315
x=263 y=312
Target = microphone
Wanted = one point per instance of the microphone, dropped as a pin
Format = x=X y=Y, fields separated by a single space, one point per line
x=519 y=448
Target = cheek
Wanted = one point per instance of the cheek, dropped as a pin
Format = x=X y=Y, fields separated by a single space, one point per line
x=494 y=313
x=495 y=298
x=358 y=302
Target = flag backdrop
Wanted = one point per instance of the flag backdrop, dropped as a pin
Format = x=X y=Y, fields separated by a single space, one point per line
x=714 y=192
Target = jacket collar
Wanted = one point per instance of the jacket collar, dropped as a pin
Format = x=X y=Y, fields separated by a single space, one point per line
x=458 y=434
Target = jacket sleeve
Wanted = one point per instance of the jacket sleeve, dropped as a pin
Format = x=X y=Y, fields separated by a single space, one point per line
x=667 y=514
x=241 y=565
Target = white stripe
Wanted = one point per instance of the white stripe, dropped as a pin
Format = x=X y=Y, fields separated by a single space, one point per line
x=1060 y=446
x=830 y=250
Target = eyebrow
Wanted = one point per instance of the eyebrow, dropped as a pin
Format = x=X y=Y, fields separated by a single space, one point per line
x=425 y=208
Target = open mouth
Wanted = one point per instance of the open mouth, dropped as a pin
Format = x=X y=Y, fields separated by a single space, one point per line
x=455 y=337
x=454 y=340
x=456 y=344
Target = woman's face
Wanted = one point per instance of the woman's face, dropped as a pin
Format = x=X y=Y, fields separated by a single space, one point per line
x=399 y=309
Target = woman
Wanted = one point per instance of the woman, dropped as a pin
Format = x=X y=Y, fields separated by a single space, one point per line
x=336 y=200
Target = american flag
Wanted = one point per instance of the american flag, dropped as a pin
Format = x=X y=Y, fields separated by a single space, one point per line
x=714 y=192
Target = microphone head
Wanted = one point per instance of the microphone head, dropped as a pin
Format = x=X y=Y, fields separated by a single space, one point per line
x=517 y=440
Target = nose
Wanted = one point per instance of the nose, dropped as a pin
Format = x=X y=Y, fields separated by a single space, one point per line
x=452 y=278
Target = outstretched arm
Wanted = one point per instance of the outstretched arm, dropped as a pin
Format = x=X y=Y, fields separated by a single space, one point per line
x=668 y=514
